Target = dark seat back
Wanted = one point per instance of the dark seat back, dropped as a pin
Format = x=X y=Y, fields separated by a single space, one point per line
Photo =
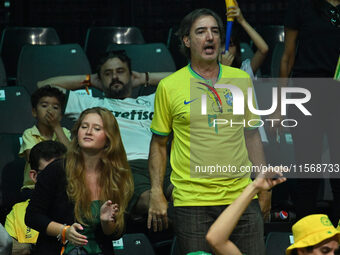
x=173 y=43
x=276 y=59
x=39 y=62
x=151 y=57
x=98 y=39
x=134 y=244
x=3 y=78
x=14 y=38
x=277 y=243
x=272 y=35
x=15 y=110
x=11 y=172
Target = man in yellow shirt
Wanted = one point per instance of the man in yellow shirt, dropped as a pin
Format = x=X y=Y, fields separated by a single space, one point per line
x=213 y=149
x=23 y=237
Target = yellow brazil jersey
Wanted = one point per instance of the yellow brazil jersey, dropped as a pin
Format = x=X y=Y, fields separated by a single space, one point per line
x=208 y=153
x=16 y=227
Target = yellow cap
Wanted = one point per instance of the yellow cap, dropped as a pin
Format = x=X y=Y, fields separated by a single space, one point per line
x=311 y=230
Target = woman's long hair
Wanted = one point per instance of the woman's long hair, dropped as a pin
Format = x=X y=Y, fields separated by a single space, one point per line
x=115 y=181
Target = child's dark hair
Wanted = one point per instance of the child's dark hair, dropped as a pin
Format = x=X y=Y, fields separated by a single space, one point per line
x=235 y=38
x=121 y=54
x=45 y=150
x=47 y=91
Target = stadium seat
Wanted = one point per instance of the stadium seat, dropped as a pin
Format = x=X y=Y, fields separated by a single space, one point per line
x=133 y=244
x=11 y=172
x=39 y=62
x=98 y=38
x=246 y=51
x=173 y=46
x=15 y=110
x=14 y=38
x=276 y=59
x=277 y=243
x=3 y=79
x=151 y=57
x=272 y=35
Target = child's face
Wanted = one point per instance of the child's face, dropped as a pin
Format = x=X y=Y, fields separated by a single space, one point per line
x=48 y=109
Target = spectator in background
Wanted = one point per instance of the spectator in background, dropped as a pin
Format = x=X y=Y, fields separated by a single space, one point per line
x=312 y=49
x=232 y=57
x=133 y=115
x=83 y=198
x=47 y=106
x=5 y=242
x=24 y=237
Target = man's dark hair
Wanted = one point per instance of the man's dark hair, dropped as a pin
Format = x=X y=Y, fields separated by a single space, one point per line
x=45 y=150
x=186 y=24
x=121 y=54
x=47 y=91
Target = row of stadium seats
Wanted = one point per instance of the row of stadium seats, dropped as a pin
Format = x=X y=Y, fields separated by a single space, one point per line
x=99 y=38
x=39 y=62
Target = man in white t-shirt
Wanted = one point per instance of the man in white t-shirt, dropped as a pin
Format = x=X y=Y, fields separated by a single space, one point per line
x=116 y=80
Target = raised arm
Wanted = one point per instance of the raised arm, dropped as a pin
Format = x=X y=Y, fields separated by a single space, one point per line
x=219 y=233
x=157 y=215
x=261 y=45
x=153 y=78
x=71 y=82
x=256 y=156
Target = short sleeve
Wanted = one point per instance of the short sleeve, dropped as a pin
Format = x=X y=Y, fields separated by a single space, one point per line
x=28 y=141
x=162 y=120
x=67 y=133
x=10 y=224
x=293 y=16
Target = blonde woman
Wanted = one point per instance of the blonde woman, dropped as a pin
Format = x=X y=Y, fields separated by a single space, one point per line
x=78 y=204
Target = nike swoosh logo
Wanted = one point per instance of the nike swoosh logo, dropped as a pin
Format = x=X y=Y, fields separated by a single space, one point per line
x=188 y=102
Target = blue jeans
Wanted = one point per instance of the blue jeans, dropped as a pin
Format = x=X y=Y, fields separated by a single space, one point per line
x=193 y=222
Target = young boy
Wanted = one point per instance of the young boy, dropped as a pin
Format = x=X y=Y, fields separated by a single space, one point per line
x=22 y=236
x=47 y=105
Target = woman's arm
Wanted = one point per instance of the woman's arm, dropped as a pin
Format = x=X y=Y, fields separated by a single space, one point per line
x=219 y=233
x=261 y=45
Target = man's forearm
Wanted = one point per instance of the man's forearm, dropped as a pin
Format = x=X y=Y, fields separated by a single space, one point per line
x=71 y=82
x=155 y=78
x=157 y=162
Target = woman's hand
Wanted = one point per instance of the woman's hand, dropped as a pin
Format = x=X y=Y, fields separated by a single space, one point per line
x=108 y=211
x=235 y=12
x=74 y=237
x=269 y=178
x=226 y=58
